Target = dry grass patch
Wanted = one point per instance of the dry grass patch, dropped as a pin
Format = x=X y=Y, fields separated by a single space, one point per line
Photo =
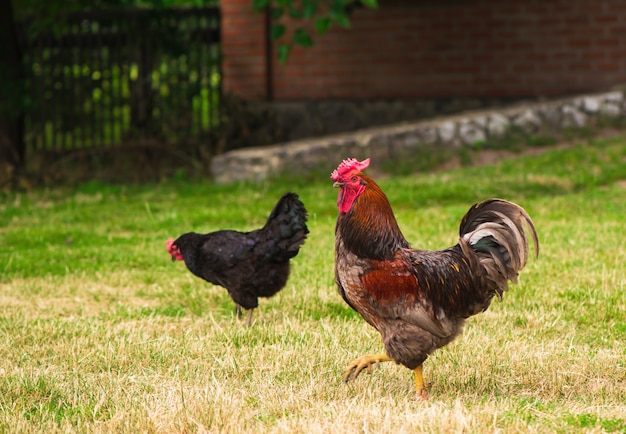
x=105 y=334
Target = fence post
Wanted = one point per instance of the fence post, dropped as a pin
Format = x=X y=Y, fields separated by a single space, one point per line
x=12 y=148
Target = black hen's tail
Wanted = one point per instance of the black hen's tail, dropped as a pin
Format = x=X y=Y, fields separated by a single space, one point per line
x=494 y=231
x=286 y=230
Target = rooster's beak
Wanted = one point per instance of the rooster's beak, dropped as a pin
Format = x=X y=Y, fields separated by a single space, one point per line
x=337 y=184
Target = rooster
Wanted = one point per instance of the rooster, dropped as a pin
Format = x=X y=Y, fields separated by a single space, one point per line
x=248 y=264
x=418 y=300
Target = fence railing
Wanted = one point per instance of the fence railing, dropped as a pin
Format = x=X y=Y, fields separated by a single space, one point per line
x=108 y=77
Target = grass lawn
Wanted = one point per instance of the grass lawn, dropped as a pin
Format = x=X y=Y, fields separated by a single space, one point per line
x=101 y=332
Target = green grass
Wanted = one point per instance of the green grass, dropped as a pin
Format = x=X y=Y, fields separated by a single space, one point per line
x=101 y=332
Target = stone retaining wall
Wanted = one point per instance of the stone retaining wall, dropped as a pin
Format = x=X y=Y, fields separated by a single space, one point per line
x=384 y=144
x=296 y=120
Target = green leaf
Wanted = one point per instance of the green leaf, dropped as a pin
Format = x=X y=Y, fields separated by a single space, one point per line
x=295 y=13
x=309 y=7
x=340 y=17
x=372 y=4
x=302 y=38
x=283 y=53
x=259 y=5
x=322 y=24
x=277 y=31
x=277 y=12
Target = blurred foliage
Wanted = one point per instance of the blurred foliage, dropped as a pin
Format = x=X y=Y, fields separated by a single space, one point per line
x=26 y=8
x=49 y=15
x=311 y=17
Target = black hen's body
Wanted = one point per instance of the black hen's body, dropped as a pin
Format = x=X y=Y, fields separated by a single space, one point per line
x=249 y=264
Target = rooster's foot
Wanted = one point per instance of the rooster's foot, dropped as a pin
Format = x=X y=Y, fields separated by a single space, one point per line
x=421 y=387
x=423 y=394
x=364 y=362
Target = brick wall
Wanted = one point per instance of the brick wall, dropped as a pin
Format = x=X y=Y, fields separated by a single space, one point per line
x=243 y=49
x=437 y=49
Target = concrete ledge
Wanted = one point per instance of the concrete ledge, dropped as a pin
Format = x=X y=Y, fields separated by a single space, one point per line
x=391 y=143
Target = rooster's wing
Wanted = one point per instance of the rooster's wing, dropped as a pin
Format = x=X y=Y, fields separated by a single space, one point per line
x=410 y=288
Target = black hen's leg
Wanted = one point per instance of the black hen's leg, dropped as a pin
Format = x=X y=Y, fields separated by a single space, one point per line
x=248 y=322
x=239 y=311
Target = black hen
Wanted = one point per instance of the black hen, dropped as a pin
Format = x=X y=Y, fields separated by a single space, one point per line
x=248 y=264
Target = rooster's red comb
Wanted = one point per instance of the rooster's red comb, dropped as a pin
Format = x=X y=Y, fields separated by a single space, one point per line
x=349 y=165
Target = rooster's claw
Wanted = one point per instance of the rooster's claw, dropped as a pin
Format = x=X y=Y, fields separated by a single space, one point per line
x=364 y=362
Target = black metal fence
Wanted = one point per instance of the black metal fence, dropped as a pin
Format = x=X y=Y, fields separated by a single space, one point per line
x=109 y=77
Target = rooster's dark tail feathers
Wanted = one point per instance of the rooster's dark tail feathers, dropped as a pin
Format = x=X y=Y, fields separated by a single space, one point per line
x=494 y=230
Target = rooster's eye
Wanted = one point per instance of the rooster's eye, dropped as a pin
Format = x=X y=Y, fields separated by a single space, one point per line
x=354 y=178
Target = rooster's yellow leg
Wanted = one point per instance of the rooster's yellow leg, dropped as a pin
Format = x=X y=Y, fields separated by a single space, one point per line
x=357 y=365
x=420 y=387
